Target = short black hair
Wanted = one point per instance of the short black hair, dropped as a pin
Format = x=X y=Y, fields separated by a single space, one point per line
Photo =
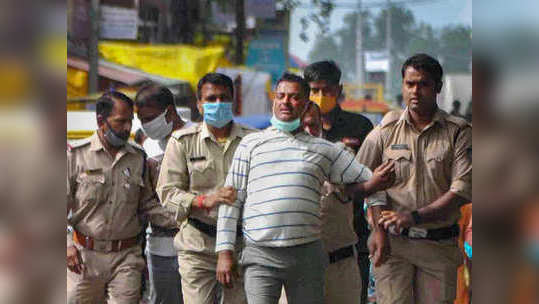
x=155 y=94
x=426 y=63
x=323 y=70
x=215 y=79
x=105 y=103
x=289 y=77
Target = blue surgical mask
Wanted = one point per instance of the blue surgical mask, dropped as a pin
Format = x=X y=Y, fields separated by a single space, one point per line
x=287 y=126
x=217 y=114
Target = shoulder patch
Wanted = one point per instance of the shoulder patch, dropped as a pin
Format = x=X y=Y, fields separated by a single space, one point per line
x=390 y=118
x=186 y=131
x=461 y=122
x=78 y=144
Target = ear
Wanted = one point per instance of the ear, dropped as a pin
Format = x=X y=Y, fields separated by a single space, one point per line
x=200 y=108
x=100 y=120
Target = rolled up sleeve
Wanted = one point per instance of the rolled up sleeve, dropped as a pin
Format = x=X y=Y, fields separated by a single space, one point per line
x=461 y=180
x=173 y=181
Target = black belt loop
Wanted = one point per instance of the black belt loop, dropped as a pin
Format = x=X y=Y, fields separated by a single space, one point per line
x=207 y=229
x=341 y=254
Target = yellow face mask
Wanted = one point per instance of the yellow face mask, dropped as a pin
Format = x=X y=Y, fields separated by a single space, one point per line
x=326 y=103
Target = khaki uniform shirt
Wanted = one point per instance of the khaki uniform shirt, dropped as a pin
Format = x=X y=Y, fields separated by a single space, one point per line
x=195 y=163
x=427 y=163
x=109 y=198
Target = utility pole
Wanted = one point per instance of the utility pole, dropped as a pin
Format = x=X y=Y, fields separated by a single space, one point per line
x=360 y=64
x=240 y=30
x=92 y=47
x=389 y=47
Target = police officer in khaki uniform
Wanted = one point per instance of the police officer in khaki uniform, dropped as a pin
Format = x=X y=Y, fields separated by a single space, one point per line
x=351 y=129
x=432 y=154
x=343 y=280
x=190 y=182
x=108 y=196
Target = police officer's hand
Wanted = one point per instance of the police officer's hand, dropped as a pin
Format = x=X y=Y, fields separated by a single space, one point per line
x=227 y=270
x=225 y=195
x=382 y=177
x=379 y=249
x=401 y=220
x=74 y=260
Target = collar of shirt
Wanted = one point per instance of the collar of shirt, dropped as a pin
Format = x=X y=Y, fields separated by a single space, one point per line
x=275 y=130
x=439 y=117
x=334 y=116
x=236 y=131
x=96 y=144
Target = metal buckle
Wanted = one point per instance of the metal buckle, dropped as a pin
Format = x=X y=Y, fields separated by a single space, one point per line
x=417 y=233
x=119 y=247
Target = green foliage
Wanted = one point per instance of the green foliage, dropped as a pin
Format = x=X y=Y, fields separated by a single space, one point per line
x=451 y=45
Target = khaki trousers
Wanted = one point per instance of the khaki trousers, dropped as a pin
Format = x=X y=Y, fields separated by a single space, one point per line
x=418 y=271
x=343 y=282
x=114 y=277
x=199 y=283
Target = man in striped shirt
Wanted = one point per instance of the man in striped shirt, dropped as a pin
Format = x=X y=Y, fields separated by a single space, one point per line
x=278 y=175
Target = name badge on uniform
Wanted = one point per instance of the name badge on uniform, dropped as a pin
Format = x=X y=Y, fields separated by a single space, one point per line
x=197 y=158
x=399 y=147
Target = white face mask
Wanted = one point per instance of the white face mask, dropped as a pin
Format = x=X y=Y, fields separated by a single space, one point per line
x=158 y=128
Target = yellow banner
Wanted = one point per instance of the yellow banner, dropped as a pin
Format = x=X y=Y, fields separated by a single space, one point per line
x=181 y=62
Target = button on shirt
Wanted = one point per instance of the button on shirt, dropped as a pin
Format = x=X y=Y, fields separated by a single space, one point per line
x=107 y=197
x=428 y=163
x=279 y=177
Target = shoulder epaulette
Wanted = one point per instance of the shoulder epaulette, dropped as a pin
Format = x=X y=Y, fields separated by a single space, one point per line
x=137 y=147
x=461 y=122
x=186 y=131
x=78 y=144
x=390 y=118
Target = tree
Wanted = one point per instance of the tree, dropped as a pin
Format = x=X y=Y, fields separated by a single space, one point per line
x=341 y=46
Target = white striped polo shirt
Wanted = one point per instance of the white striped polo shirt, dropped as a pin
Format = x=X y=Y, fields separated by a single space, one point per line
x=279 y=178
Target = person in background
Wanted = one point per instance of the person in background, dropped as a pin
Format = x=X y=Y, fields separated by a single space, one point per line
x=432 y=154
x=340 y=126
x=109 y=196
x=456 y=108
x=342 y=281
x=278 y=175
x=193 y=171
x=157 y=113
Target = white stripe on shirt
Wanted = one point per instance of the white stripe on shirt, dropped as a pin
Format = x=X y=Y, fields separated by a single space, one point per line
x=279 y=177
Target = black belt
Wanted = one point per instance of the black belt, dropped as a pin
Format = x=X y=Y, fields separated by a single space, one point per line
x=161 y=231
x=341 y=254
x=432 y=234
x=209 y=230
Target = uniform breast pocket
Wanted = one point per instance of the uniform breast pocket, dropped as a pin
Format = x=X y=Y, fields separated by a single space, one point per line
x=202 y=175
x=90 y=187
x=436 y=164
x=403 y=163
x=132 y=188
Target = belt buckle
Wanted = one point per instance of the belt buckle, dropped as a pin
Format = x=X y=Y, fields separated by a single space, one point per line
x=417 y=233
x=102 y=246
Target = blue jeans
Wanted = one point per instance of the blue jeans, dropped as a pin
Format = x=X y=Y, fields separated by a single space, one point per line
x=165 y=280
